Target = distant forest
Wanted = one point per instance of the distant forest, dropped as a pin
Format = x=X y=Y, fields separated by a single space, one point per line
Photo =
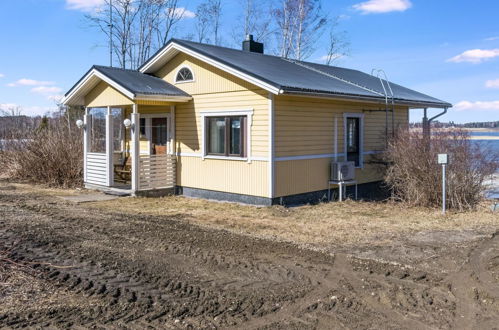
x=437 y=124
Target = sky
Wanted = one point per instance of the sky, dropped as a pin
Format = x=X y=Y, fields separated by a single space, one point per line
x=448 y=49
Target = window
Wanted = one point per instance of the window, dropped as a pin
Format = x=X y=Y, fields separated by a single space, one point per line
x=353 y=139
x=184 y=75
x=226 y=136
x=142 y=127
x=118 y=128
x=97 y=130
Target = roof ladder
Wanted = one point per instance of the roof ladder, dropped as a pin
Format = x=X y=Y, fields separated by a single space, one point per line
x=380 y=74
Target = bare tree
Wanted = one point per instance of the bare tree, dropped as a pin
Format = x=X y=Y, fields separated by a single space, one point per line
x=139 y=27
x=208 y=14
x=202 y=22
x=172 y=14
x=124 y=13
x=338 y=45
x=256 y=20
x=142 y=38
x=285 y=19
x=300 y=23
x=11 y=111
x=310 y=25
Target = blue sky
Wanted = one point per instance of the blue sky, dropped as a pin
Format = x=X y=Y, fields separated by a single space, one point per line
x=448 y=49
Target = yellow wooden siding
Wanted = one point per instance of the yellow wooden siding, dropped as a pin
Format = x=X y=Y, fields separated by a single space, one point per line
x=215 y=90
x=305 y=126
x=207 y=78
x=222 y=175
x=301 y=176
x=104 y=95
x=189 y=122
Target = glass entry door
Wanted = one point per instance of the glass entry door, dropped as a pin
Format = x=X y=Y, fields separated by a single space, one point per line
x=353 y=140
x=159 y=136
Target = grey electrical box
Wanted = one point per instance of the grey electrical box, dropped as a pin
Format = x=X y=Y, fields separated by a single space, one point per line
x=443 y=158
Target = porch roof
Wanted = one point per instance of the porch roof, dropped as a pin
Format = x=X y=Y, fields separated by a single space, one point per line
x=131 y=83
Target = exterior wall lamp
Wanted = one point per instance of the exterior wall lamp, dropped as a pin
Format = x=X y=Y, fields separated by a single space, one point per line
x=128 y=124
x=80 y=124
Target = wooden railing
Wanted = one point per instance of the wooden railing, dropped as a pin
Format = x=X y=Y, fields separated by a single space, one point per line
x=157 y=171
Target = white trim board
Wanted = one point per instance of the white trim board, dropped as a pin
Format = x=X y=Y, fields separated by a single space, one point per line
x=198 y=155
x=318 y=156
x=361 y=135
x=224 y=113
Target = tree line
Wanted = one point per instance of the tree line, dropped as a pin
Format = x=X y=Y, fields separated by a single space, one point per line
x=289 y=28
x=437 y=124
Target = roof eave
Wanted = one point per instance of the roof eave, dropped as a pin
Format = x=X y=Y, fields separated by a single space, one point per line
x=374 y=99
x=161 y=98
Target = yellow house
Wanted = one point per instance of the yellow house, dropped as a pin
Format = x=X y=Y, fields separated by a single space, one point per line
x=237 y=125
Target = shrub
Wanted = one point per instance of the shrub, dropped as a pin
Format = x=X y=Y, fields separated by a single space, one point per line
x=415 y=177
x=52 y=154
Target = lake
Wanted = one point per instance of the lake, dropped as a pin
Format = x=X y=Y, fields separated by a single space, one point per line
x=490 y=145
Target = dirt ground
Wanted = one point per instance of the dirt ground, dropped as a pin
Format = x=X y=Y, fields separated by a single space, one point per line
x=87 y=266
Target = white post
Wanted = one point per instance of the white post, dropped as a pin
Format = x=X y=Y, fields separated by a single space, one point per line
x=135 y=146
x=86 y=136
x=109 y=147
x=443 y=159
x=271 y=164
x=443 y=189
x=173 y=141
x=335 y=138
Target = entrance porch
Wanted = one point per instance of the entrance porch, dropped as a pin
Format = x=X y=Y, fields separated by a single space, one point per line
x=130 y=149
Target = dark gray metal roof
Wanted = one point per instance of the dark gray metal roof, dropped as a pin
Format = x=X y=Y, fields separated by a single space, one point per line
x=304 y=77
x=135 y=82
x=140 y=83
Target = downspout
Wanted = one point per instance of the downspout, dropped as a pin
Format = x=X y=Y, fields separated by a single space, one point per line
x=427 y=122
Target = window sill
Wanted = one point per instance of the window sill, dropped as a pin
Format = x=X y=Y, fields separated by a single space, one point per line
x=225 y=158
x=184 y=81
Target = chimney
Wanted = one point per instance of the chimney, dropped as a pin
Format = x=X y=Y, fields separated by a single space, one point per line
x=250 y=45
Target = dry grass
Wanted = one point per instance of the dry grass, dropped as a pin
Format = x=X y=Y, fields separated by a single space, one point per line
x=29 y=188
x=320 y=226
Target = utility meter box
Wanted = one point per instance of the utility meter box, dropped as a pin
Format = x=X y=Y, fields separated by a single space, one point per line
x=443 y=158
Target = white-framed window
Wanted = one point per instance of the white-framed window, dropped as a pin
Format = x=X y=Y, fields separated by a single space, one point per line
x=184 y=74
x=353 y=128
x=227 y=134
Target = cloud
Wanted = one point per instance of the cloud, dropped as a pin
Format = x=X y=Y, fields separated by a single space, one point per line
x=492 y=83
x=30 y=82
x=491 y=38
x=334 y=57
x=84 y=5
x=475 y=55
x=46 y=90
x=2 y=75
x=55 y=98
x=183 y=13
x=478 y=105
x=382 y=6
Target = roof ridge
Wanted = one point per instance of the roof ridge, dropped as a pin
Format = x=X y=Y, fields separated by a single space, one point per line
x=229 y=48
x=332 y=76
x=114 y=68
